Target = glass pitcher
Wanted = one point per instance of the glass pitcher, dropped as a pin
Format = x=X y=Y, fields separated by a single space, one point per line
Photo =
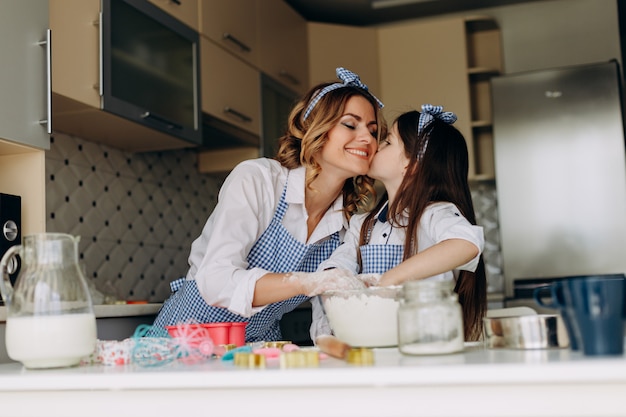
x=50 y=317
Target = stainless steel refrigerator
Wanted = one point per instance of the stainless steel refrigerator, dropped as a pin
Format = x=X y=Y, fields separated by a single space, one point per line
x=560 y=175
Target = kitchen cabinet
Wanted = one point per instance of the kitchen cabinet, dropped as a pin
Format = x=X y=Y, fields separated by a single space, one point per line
x=230 y=88
x=283 y=43
x=231 y=24
x=231 y=99
x=444 y=62
x=327 y=51
x=223 y=160
x=76 y=96
x=184 y=10
x=23 y=103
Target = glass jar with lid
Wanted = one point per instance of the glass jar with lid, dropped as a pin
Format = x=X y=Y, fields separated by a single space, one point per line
x=430 y=320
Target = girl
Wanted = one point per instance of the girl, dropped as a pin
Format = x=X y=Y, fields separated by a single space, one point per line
x=276 y=216
x=424 y=227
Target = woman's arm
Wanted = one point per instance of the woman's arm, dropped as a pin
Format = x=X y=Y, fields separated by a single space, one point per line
x=218 y=259
x=272 y=287
x=442 y=257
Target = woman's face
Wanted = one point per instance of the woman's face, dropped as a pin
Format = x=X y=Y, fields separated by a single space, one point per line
x=351 y=142
x=390 y=162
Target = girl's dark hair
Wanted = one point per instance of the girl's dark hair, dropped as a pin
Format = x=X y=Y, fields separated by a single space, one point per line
x=439 y=175
x=305 y=138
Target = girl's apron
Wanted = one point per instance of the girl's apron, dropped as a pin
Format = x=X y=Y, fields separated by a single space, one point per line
x=378 y=259
x=276 y=251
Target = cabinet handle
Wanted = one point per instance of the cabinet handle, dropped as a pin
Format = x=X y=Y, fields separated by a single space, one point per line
x=291 y=78
x=48 y=44
x=240 y=115
x=168 y=124
x=227 y=36
x=176 y=1
x=100 y=64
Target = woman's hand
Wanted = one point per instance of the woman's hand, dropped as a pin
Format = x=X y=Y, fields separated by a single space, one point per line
x=315 y=283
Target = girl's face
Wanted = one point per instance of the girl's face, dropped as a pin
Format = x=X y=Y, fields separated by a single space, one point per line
x=351 y=142
x=390 y=162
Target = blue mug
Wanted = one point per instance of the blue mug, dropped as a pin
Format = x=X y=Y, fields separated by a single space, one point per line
x=594 y=307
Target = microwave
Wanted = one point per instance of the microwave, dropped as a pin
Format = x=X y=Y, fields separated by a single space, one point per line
x=150 y=68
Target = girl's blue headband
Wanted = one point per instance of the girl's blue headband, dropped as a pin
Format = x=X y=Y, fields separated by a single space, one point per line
x=430 y=112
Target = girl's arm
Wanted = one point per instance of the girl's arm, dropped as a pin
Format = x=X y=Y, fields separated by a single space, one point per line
x=442 y=257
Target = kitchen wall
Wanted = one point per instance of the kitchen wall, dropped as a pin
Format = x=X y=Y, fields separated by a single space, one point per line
x=137 y=214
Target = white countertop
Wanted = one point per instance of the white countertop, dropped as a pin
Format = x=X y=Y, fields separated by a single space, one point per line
x=111 y=310
x=477 y=382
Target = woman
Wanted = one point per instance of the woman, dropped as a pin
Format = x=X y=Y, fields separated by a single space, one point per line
x=425 y=226
x=282 y=215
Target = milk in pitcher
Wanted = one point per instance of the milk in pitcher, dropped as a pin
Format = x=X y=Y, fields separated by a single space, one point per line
x=51 y=341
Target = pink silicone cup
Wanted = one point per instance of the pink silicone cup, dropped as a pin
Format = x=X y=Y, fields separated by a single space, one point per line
x=237 y=334
x=218 y=332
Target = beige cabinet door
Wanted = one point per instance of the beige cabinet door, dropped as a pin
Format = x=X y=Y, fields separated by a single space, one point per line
x=23 y=77
x=232 y=25
x=283 y=43
x=184 y=10
x=76 y=51
x=230 y=88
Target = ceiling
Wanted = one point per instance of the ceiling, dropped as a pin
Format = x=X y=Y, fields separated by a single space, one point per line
x=372 y=12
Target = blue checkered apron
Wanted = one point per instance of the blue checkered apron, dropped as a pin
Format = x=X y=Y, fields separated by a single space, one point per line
x=378 y=259
x=277 y=251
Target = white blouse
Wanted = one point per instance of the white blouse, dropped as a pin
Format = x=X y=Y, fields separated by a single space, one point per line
x=246 y=204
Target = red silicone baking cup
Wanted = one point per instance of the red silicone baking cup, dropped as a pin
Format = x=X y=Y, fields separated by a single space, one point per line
x=237 y=334
x=219 y=332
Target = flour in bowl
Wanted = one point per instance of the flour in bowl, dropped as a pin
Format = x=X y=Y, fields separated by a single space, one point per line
x=367 y=318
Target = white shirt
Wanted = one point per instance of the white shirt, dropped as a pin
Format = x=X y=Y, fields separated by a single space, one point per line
x=246 y=204
x=440 y=221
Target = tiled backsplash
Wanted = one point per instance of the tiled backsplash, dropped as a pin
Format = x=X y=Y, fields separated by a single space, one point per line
x=138 y=213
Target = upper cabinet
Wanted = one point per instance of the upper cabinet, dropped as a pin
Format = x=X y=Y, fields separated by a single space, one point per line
x=231 y=24
x=184 y=10
x=444 y=62
x=231 y=88
x=283 y=42
x=24 y=107
x=77 y=83
x=24 y=78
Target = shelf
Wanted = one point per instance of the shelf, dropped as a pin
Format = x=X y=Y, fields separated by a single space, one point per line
x=477 y=71
x=479 y=124
x=484 y=61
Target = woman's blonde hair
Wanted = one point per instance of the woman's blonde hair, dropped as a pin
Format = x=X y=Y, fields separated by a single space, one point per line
x=305 y=138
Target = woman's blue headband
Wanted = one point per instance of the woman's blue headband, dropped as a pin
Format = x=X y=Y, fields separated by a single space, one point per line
x=349 y=79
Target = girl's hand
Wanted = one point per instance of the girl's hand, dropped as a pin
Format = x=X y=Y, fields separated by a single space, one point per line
x=370 y=280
